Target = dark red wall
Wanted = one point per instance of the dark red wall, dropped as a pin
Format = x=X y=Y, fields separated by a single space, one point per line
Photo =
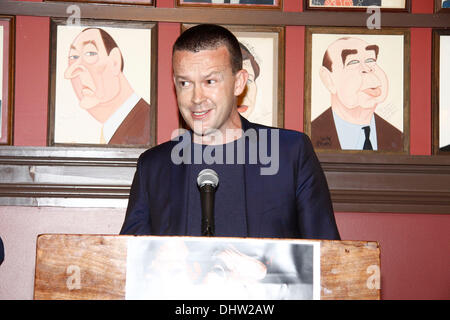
x=414 y=259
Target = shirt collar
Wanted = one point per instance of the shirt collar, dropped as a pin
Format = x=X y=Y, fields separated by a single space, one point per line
x=351 y=136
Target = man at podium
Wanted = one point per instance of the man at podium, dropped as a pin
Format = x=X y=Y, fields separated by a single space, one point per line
x=269 y=182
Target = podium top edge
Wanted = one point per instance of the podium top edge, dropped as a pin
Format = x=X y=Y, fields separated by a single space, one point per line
x=370 y=243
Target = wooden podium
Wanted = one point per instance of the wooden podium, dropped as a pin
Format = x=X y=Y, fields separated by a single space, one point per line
x=95 y=267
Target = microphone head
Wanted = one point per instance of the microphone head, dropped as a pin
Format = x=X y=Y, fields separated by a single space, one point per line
x=207 y=176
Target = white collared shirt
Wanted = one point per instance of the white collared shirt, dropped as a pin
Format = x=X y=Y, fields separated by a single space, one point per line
x=116 y=119
x=351 y=136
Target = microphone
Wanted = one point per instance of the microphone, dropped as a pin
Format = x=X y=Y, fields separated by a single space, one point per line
x=207 y=182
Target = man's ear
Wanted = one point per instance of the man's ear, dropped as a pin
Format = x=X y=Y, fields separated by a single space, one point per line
x=240 y=82
x=325 y=76
x=116 y=57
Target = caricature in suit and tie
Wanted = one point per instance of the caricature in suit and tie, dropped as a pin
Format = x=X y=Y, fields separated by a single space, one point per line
x=95 y=70
x=357 y=86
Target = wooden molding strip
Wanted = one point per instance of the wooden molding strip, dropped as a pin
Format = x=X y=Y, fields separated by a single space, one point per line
x=63 y=191
x=223 y=16
x=102 y=177
x=390 y=201
x=84 y=156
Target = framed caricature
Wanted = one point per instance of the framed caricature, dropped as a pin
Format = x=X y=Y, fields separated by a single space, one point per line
x=102 y=84
x=389 y=5
x=357 y=89
x=262 y=49
x=243 y=4
x=440 y=93
x=442 y=6
x=6 y=78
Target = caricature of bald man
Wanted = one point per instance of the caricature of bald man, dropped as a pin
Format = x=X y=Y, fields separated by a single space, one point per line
x=357 y=85
x=95 y=70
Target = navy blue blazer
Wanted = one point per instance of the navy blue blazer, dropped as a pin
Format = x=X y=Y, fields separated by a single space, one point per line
x=294 y=203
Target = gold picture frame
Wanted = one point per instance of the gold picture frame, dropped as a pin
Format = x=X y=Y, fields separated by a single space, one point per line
x=336 y=98
x=441 y=97
x=85 y=107
x=7 y=27
x=234 y=4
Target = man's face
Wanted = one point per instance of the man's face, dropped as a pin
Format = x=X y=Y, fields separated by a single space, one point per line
x=247 y=101
x=93 y=73
x=207 y=89
x=357 y=80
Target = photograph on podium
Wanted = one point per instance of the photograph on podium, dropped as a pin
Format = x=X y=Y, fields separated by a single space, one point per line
x=179 y=268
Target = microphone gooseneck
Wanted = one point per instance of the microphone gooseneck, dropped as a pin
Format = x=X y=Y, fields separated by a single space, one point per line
x=207 y=182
